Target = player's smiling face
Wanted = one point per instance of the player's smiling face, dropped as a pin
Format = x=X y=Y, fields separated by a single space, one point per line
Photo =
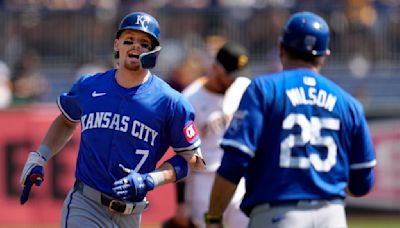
x=130 y=45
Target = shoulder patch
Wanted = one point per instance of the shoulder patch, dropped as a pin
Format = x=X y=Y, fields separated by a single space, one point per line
x=190 y=131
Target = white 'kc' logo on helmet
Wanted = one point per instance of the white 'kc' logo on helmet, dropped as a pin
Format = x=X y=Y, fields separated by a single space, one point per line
x=143 y=21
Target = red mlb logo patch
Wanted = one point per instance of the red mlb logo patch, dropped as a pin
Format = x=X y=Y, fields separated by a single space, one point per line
x=190 y=132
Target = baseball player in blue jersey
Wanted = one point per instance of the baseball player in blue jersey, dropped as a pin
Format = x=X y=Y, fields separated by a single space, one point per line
x=301 y=142
x=128 y=119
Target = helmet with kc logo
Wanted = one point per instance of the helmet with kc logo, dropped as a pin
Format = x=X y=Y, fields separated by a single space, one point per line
x=143 y=22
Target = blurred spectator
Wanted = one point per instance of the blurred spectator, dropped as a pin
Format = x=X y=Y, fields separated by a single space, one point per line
x=60 y=4
x=360 y=92
x=90 y=68
x=361 y=12
x=28 y=83
x=214 y=43
x=197 y=4
x=80 y=32
x=5 y=86
x=12 y=43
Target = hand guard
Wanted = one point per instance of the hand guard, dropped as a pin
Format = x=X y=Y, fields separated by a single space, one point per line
x=134 y=186
x=148 y=59
x=33 y=172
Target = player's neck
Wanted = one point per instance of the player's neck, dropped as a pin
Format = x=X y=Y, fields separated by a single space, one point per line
x=129 y=79
x=213 y=86
x=300 y=64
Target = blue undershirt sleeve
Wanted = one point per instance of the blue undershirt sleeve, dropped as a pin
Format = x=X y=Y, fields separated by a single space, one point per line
x=361 y=181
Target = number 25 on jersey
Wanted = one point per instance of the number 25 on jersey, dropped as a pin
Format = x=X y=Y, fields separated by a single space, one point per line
x=310 y=133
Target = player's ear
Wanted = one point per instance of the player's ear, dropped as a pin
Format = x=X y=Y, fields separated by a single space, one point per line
x=116 y=45
x=328 y=52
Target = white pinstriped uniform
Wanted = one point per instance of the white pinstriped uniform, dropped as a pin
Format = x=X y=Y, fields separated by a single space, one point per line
x=211 y=122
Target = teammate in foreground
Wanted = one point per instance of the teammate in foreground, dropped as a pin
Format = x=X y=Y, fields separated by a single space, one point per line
x=301 y=142
x=129 y=117
x=214 y=98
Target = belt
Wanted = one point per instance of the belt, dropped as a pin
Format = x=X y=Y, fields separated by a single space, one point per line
x=111 y=203
x=313 y=202
x=294 y=203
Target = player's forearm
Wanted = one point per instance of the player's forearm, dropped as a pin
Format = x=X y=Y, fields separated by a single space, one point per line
x=194 y=159
x=221 y=195
x=177 y=167
x=59 y=133
x=164 y=174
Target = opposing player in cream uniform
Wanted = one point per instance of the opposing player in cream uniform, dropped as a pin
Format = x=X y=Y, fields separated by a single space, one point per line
x=214 y=99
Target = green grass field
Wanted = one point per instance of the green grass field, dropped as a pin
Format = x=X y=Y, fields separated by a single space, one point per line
x=374 y=222
x=368 y=218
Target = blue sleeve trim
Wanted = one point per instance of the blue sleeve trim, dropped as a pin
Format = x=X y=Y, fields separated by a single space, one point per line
x=364 y=165
x=234 y=165
x=65 y=113
x=193 y=146
x=232 y=143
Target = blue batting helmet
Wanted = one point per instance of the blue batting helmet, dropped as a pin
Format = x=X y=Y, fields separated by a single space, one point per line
x=143 y=22
x=308 y=33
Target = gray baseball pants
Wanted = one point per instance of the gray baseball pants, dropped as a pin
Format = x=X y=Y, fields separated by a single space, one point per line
x=304 y=214
x=84 y=209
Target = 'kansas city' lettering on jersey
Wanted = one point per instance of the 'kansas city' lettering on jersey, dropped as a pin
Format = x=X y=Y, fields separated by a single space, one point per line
x=115 y=121
x=320 y=98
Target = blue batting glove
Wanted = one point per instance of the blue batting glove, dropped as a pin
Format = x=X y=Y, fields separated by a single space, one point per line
x=34 y=177
x=134 y=186
x=33 y=172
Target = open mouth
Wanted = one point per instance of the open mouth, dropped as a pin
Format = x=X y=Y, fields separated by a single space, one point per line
x=133 y=56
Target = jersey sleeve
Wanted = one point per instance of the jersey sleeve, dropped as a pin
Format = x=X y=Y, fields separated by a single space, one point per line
x=69 y=102
x=363 y=154
x=183 y=133
x=245 y=129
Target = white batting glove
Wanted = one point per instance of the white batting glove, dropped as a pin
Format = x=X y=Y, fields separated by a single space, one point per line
x=34 y=159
